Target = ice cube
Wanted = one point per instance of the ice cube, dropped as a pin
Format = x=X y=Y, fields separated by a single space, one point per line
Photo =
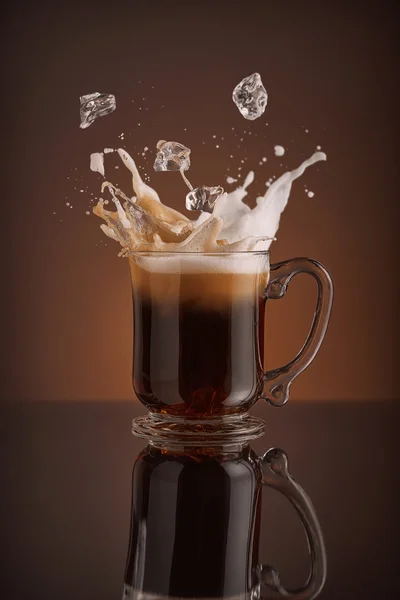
x=203 y=198
x=250 y=96
x=172 y=156
x=94 y=106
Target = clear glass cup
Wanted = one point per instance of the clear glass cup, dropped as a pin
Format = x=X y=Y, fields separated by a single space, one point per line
x=199 y=331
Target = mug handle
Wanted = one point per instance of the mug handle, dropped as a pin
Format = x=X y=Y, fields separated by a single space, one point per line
x=269 y=579
x=277 y=382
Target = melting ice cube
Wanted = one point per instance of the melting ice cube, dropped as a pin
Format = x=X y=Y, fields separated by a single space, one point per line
x=94 y=106
x=172 y=156
x=250 y=96
x=203 y=198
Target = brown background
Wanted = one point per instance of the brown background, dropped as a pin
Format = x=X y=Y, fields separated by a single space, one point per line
x=329 y=67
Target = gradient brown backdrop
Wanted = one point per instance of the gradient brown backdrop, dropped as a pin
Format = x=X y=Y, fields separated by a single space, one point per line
x=329 y=67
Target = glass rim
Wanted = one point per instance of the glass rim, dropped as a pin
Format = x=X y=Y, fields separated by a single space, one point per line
x=153 y=253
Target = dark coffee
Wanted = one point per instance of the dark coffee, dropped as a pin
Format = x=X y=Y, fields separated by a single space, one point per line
x=195 y=524
x=198 y=341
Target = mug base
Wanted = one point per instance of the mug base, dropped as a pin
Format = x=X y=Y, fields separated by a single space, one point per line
x=205 y=432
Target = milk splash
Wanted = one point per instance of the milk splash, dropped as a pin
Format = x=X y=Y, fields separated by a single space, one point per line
x=143 y=223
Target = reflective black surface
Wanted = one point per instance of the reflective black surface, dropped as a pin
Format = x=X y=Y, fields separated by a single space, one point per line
x=66 y=489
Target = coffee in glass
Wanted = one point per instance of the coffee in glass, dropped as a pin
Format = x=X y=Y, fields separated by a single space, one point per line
x=199 y=330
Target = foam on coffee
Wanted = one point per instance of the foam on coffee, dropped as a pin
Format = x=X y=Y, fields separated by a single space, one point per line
x=207 y=283
x=237 y=264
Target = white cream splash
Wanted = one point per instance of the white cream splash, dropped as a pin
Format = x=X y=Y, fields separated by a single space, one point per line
x=97 y=162
x=263 y=220
x=143 y=222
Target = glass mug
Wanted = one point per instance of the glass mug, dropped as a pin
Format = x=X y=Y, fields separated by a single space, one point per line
x=199 y=331
x=196 y=524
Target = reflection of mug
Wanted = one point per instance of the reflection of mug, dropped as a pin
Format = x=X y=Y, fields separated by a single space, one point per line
x=195 y=525
x=199 y=330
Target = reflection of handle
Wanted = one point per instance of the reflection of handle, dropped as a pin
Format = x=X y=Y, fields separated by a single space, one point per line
x=277 y=382
x=277 y=462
